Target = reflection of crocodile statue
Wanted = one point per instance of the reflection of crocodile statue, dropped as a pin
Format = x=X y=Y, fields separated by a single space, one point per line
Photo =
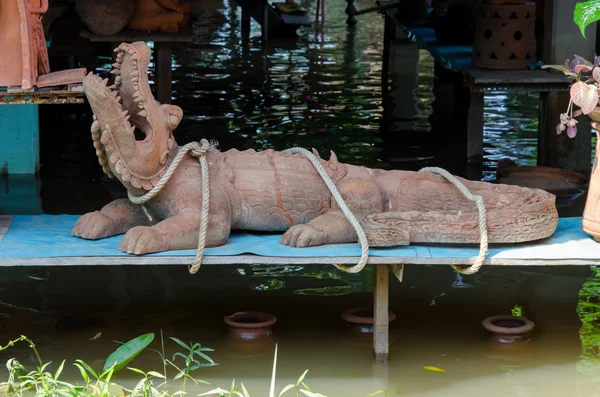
x=274 y=191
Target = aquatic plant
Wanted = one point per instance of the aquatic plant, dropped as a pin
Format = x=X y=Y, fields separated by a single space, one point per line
x=585 y=75
x=41 y=382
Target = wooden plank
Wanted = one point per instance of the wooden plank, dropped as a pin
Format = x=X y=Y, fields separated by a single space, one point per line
x=52 y=97
x=269 y=260
x=5 y=221
x=183 y=36
x=529 y=77
x=381 y=313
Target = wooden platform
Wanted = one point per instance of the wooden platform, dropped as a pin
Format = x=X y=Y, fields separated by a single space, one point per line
x=42 y=97
x=46 y=241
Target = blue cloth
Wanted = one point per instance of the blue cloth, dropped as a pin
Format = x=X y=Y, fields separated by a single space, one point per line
x=49 y=236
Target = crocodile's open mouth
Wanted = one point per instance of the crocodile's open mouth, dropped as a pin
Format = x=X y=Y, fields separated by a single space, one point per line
x=132 y=132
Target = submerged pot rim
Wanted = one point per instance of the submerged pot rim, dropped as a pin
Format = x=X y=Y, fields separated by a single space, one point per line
x=526 y=328
x=351 y=316
x=267 y=320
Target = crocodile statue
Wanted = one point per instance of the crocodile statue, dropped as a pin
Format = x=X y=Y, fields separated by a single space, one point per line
x=274 y=191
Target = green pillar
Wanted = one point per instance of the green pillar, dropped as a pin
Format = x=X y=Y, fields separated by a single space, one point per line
x=19 y=139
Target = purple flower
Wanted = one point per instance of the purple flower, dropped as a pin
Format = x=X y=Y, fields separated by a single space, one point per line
x=572 y=132
x=560 y=128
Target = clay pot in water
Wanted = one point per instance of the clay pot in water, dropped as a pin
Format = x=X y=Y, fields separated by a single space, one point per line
x=508 y=328
x=360 y=326
x=566 y=185
x=105 y=17
x=250 y=334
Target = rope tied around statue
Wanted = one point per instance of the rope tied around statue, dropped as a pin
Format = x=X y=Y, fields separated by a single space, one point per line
x=198 y=149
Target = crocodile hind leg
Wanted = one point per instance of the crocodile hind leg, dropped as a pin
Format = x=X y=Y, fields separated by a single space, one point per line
x=362 y=196
x=457 y=227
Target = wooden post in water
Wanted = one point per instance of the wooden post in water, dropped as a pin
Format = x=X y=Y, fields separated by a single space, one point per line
x=19 y=139
x=562 y=39
x=381 y=313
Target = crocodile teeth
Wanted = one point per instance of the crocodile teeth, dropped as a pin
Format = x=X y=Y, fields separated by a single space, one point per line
x=113 y=94
x=97 y=145
x=136 y=182
x=143 y=113
x=132 y=130
x=135 y=79
x=124 y=113
x=95 y=126
x=148 y=185
x=105 y=82
x=114 y=157
x=127 y=117
x=105 y=138
x=99 y=152
x=130 y=51
x=117 y=64
x=137 y=94
x=118 y=99
x=135 y=74
x=119 y=166
x=113 y=87
x=116 y=72
x=102 y=161
x=141 y=105
x=94 y=117
x=125 y=175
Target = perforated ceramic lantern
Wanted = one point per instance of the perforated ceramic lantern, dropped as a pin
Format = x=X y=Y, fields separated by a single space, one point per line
x=505 y=36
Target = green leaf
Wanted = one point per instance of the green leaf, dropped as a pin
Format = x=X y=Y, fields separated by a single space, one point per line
x=301 y=378
x=586 y=14
x=204 y=356
x=180 y=343
x=84 y=374
x=156 y=374
x=376 y=393
x=127 y=352
x=288 y=387
x=218 y=390
x=244 y=391
x=139 y=371
x=87 y=368
x=59 y=370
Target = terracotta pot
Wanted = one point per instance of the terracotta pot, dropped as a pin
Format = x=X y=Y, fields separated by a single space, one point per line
x=250 y=334
x=504 y=36
x=591 y=212
x=361 y=320
x=23 y=53
x=105 y=17
x=246 y=326
x=508 y=329
x=360 y=327
x=567 y=186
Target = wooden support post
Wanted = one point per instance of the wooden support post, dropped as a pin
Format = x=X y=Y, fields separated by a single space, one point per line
x=164 y=73
x=19 y=139
x=265 y=23
x=475 y=136
x=245 y=23
x=562 y=39
x=381 y=313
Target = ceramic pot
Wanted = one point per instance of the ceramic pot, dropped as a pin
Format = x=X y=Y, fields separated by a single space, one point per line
x=105 y=17
x=508 y=329
x=360 y=327
x=591 y=212
x=566 y=185
x=250 y=334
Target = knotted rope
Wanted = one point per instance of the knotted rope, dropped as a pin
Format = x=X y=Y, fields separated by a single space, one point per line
x=199 y=149
x=483 y=243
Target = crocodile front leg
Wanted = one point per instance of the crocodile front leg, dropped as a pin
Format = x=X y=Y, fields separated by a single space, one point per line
x=178 y=232
x=114 y=218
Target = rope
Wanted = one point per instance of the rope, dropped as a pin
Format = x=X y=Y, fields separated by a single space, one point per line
x=197 y=150
x=362 y=238
x=483 y=244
